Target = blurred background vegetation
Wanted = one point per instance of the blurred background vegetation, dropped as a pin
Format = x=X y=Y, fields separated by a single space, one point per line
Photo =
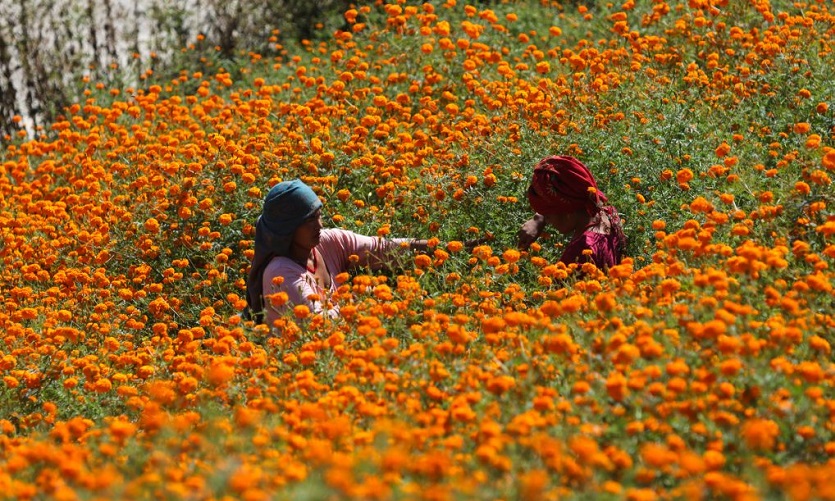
x=48 y=48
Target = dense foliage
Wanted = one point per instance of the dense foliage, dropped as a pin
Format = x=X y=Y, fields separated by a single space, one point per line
x=699 y=368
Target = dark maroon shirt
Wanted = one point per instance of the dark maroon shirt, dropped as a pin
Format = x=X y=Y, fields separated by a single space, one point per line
x=606 y=249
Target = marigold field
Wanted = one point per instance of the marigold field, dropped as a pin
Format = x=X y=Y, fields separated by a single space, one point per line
x=700 y=368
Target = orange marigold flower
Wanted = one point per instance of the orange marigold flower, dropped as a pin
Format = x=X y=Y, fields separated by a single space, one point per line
x=423 y=261
x=616 y=386
x=801 y=128
x=700 y=204
x=810 y=371
x=827 y=229
x=220 y=373
x=500 y=384
x=492 y=325
x=713 y=460
x=483 y=251
x=533 y=483
x=760 y=434
x=605 y=301
x=454 y=246
x=820 y=344
x=560 y=343
x=684 y=176
x=301 y=311
x=188 y=384
x=813 y=141
x=122 y=430
x=828 y=160
x=151 y=225
x=307 y=357
x=102 y=385
x=511 y=256
x=657 y=455
x=278 y=299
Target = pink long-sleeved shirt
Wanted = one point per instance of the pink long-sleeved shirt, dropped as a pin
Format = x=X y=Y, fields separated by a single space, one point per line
x=336 y=246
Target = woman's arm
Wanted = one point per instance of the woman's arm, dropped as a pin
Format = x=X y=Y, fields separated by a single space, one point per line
x=388 y=253
x=412 y=244
x=531 y=230
x=377 y=253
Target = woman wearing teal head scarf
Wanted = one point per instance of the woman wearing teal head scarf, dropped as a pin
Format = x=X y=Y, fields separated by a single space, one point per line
x=286 y=207
x=296 y=259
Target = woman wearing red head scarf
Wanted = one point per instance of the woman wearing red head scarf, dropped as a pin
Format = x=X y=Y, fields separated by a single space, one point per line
x=564 y=194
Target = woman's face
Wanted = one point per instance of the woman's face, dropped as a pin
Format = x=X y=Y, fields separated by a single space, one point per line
x=308 y=233
x=563 y=222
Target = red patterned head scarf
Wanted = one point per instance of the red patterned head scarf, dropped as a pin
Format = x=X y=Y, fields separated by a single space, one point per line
x=563 y=184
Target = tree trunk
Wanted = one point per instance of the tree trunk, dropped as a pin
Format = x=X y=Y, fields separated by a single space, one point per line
x=8 y=92
x=94 y=39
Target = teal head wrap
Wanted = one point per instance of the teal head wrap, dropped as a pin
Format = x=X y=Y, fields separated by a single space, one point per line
x=287 y=205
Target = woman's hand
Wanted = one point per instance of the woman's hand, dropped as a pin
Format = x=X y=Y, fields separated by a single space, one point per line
x=530 y=231
x=475 y=242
